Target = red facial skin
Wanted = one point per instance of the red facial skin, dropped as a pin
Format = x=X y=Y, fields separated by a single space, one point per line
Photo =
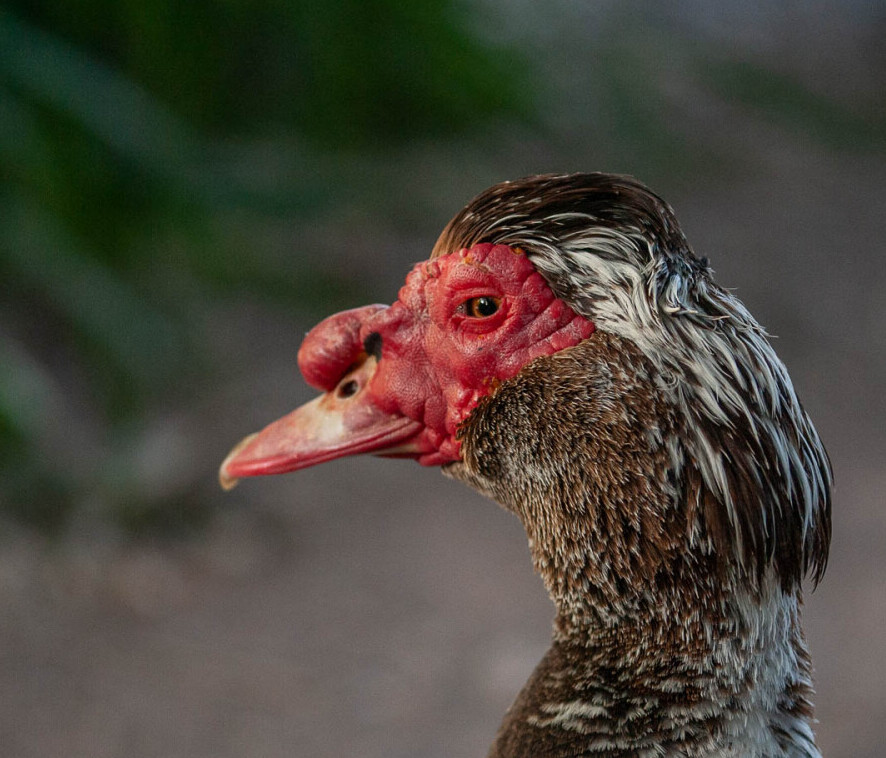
x=438 y=357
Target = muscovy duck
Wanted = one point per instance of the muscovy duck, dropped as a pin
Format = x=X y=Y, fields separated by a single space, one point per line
x=564 y=352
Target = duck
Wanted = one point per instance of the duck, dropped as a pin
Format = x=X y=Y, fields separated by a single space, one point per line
x=564 y=352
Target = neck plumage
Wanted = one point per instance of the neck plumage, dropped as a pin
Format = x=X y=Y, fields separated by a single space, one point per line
x=734 y=686
x=660 y=646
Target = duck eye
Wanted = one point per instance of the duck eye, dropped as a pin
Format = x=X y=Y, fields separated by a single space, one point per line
x=482 y=307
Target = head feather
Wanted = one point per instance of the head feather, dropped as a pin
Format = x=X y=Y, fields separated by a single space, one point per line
x=748 y=455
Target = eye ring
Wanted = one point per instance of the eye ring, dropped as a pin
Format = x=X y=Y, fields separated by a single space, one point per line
x=482 y=307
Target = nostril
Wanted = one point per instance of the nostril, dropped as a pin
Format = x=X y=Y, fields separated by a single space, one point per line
x=372 y=345
x=348 y=389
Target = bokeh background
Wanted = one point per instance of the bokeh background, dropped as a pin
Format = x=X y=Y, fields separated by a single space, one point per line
x=185 y=188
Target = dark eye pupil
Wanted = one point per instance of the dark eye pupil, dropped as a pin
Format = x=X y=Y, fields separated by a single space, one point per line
x=483 y=306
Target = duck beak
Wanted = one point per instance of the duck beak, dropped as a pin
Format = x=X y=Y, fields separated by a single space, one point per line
x=344 y=421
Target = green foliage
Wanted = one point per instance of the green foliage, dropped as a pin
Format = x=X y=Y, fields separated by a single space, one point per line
x=345 y=73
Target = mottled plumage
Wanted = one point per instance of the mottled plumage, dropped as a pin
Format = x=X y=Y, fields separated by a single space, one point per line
x=673 y=489
x=636 y=419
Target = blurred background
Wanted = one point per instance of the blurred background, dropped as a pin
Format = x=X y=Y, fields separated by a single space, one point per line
x=185 y=188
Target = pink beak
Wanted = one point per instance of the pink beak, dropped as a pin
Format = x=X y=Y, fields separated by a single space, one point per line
x=344 y=421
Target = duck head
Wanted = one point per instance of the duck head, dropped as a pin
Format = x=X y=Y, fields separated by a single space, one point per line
x=531 y=273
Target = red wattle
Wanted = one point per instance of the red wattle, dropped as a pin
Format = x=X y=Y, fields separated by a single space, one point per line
x=437 y=361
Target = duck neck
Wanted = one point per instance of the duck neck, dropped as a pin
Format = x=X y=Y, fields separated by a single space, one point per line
x=660 y=638
x=731 y=682
x=669 y=652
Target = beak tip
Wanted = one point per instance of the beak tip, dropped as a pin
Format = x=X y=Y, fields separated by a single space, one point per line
x=227 y=481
